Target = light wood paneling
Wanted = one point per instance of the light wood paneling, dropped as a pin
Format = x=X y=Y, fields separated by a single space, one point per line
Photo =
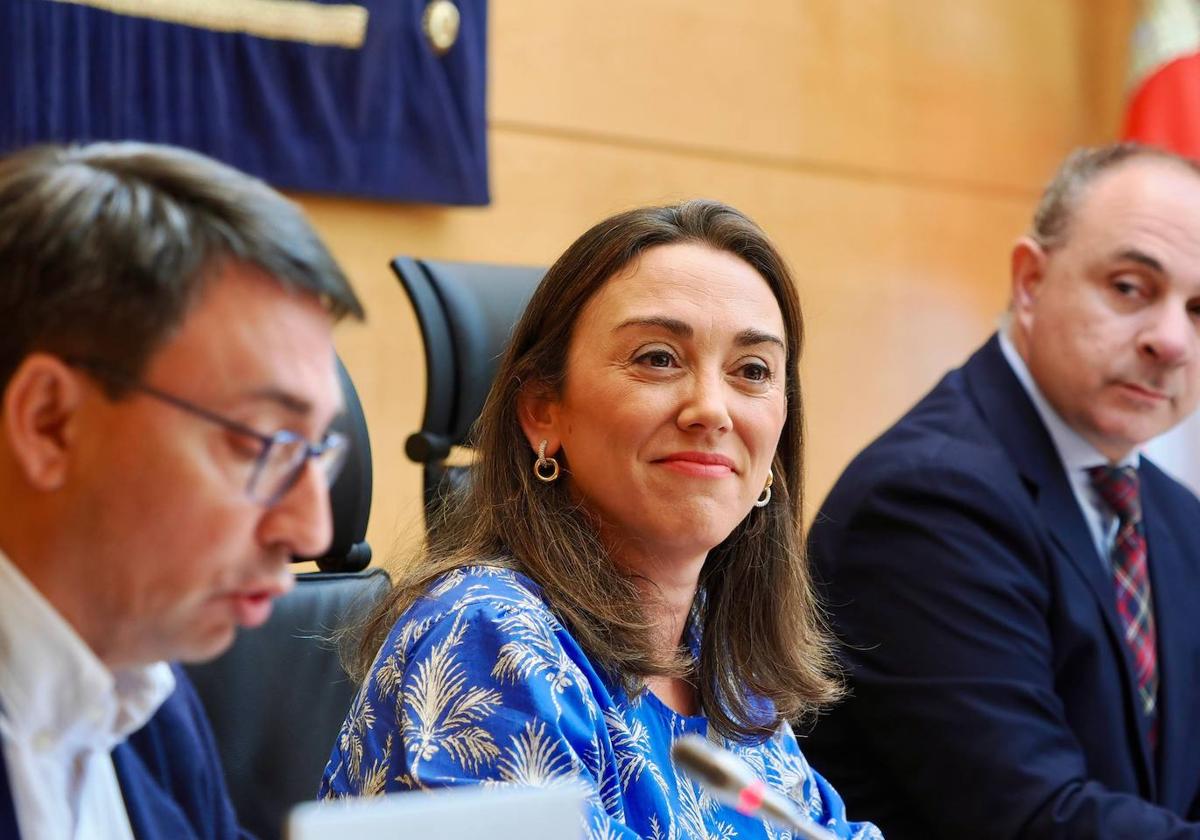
x=893 y=148
x=1104 y=38
x=983 y=92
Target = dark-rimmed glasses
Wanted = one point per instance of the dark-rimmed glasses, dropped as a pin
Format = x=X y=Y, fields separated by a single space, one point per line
x=282 y=457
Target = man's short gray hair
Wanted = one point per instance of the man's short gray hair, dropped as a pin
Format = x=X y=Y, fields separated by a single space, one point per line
x=1061 y=197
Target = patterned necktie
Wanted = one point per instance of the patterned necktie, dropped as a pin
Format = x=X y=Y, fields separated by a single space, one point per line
x=1118 y=487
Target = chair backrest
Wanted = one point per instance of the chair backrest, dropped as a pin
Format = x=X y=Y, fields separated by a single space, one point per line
x=466 y=312
x=350 y=495
x=278 y=696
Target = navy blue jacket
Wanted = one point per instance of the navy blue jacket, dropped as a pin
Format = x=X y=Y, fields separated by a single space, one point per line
x=169 y=773
x=992 y=695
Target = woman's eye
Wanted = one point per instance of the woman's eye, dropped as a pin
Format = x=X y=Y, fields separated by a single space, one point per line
x=657 y=358
x=756 y=372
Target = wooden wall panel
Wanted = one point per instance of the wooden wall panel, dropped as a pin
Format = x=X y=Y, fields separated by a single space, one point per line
x=893 y=148
x=981 y=92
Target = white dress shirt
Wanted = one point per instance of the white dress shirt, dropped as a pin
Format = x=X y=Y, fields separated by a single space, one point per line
x=1076 y=454
x=61 y=713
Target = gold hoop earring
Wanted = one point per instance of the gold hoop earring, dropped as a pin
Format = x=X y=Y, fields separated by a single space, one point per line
x=765 y=499
x=546 y=469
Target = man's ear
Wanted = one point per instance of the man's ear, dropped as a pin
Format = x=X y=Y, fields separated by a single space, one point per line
x=537 y=410
x=1028 y=268
x=40 y=408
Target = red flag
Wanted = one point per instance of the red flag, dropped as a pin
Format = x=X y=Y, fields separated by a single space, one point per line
x=1164 y=102
x=1164 y=110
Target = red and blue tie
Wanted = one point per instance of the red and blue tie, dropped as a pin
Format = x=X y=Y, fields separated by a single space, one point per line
x=1118 y=488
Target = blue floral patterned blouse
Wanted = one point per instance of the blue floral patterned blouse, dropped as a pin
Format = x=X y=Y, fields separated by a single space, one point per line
x=478 y=682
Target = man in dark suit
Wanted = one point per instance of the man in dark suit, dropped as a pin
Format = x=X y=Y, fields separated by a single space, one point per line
x=168 y=378
x=1017 y=590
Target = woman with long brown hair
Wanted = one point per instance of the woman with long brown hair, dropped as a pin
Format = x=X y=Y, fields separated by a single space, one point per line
x=627 y=564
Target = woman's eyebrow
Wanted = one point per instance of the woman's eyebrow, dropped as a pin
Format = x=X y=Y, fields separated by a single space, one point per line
x=747 y=338
x=672 y=325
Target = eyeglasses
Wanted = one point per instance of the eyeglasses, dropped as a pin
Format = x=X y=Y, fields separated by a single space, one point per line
x=282 y=457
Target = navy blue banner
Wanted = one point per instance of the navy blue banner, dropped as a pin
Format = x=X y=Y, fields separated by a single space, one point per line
x=375 y=98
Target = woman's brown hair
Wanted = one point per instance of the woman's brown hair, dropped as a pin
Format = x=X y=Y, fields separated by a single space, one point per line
x=761 y=629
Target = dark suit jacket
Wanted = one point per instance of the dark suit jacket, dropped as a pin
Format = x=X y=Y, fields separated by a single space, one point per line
x=169 y=773
x=992 y=694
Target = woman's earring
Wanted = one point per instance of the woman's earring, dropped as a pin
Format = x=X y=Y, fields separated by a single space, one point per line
x=546 y=469
x=765 y=498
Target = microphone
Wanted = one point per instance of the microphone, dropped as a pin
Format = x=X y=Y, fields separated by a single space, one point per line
x=732 y=782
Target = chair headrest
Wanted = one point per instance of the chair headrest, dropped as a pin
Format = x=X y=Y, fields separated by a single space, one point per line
x=466 y=312
x=350 y=494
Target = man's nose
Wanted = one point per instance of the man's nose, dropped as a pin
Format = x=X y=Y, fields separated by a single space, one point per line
x=1170 y=335
x=302 y=520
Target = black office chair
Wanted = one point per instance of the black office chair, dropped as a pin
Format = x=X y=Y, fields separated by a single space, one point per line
x=278 y=697
x=467 y=312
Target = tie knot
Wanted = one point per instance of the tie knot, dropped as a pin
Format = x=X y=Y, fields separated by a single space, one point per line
x=1118 y=487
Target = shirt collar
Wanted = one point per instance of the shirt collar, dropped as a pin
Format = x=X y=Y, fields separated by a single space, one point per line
x=52 y=686
x=1073 y=449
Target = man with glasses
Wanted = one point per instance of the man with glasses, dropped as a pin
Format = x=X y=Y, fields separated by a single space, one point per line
x=168 y=382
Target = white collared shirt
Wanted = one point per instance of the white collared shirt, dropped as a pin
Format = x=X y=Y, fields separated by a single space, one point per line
x=1075 y=453
x=61 y=713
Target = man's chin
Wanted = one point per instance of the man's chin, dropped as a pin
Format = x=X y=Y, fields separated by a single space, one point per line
x=1117 y=440
x=214 y=643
